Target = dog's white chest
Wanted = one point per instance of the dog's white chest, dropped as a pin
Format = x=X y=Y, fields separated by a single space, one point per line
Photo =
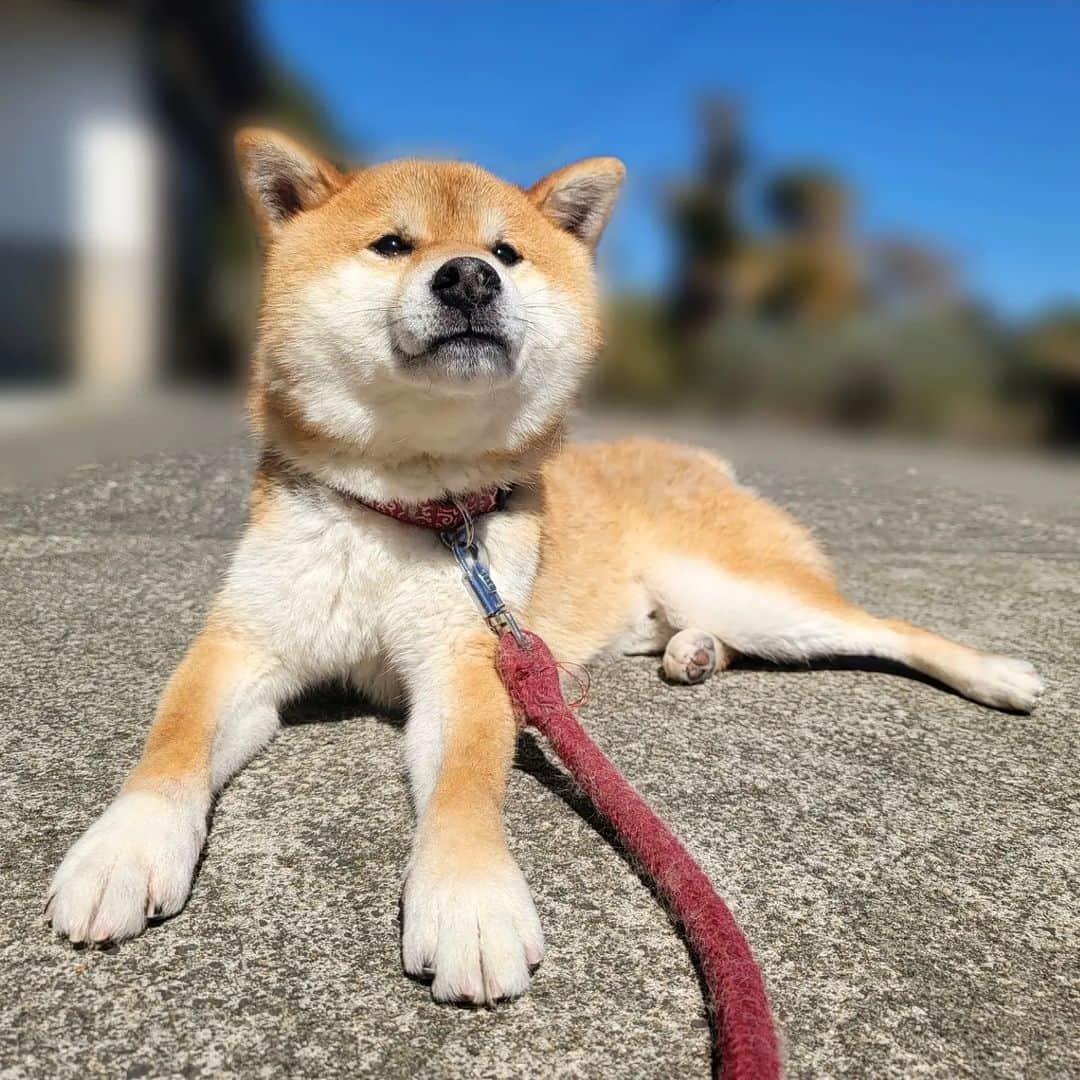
x=339 y=592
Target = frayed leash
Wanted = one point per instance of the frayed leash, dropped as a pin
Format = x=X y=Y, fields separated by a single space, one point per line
x=744 y=1037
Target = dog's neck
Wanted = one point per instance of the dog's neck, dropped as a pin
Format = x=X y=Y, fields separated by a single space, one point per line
x=408 y=479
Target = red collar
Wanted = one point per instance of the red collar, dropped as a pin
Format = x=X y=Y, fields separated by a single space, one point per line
x=440 y=514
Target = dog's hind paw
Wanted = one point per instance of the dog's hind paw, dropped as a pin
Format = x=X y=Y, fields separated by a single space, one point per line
x=1005 y=683
x=692 y=656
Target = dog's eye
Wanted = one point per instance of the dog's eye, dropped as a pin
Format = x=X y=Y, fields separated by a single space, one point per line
x=506 y=254
x=392 y=244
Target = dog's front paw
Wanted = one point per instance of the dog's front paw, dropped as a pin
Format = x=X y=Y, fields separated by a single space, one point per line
x=1005 y=683
x=136 y=861
x=474 y=928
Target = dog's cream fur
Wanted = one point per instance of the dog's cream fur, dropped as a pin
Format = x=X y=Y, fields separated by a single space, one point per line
x=628 y=547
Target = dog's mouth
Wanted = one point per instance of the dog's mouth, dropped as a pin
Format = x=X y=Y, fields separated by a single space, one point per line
x=479 y=337
x=462 y=356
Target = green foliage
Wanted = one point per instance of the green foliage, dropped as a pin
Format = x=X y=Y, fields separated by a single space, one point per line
x=806 y=320
x=805 y=199
x=1051 y=345
x=929 y=372
x=639 y=364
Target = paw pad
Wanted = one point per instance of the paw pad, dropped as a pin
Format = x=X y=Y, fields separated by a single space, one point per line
x=692 y=656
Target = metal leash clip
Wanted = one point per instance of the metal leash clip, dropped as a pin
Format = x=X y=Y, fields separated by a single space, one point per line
x=462 y=542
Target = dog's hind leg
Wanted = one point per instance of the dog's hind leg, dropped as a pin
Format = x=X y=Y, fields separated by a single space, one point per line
x=802 y=616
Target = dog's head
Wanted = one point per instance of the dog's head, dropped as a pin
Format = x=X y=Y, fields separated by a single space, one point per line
x=421 y=310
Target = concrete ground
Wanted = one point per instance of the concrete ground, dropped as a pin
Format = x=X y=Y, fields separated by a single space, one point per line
x=903 y=862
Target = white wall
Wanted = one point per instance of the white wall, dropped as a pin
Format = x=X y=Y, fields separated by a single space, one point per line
x=81 y=171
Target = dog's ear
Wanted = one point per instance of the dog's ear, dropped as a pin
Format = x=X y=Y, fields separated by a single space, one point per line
x=579 y=198
x=281 y=178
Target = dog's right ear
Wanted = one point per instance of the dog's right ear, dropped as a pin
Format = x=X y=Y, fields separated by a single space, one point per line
x=281 y=178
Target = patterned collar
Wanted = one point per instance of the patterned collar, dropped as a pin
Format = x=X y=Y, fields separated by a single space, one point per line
x=442 y=515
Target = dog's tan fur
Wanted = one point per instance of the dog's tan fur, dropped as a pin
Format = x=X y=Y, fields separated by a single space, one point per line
x=178 y=745
x=603 y=547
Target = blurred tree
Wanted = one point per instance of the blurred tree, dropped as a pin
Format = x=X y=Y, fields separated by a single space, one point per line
x=812 y=268
x=793 y=315
x=637 y=364
x=808 y=202
x=1050 y=354
x=905 y=274
x=704 y=220
x=806 y=268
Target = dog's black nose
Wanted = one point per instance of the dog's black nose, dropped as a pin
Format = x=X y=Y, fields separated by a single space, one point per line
x=466 y=283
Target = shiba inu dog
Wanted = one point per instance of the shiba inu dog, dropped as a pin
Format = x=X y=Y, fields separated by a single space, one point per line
x=424 y=330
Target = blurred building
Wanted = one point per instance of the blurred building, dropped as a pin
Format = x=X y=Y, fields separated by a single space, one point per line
x=115 y=119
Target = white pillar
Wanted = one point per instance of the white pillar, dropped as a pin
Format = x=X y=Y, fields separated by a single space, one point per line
x=116 y=187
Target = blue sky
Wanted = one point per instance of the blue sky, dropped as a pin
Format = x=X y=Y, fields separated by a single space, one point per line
x=957 y=122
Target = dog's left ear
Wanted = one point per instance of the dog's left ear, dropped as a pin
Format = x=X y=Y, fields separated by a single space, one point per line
x=579 y=198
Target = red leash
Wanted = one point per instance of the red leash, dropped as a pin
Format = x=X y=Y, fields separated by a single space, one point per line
x=744 y=1038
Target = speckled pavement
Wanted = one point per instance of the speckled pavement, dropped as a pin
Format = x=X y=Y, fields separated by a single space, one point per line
x=904 y=862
